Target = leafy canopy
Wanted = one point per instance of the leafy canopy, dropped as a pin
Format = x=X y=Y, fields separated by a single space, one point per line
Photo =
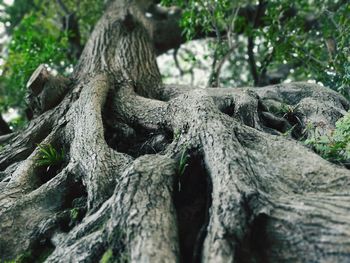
x=38 y=35
x=308 y=38
x=33 y=42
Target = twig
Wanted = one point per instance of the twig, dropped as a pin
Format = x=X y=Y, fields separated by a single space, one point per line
x=215 y=74
x=251 y=57
x=177 y=64
x=252 y=62
x=63 y=7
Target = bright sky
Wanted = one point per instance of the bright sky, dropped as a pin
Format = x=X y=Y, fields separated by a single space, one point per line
x=2 y=27
x=8 y=2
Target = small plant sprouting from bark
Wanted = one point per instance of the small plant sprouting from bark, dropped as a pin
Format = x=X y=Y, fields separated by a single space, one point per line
x=177 y=134
x=117 y=251
x=183 y=163
x=309 y=128
x=286 y=109
x=334 y=146
x=49 y=156
x=107 y=256
x=288 y=132
x=74 y=213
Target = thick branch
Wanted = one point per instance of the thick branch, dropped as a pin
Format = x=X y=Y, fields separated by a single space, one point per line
x=89 y=148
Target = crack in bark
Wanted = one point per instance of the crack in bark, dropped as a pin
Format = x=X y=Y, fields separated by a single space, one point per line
x=260 y=185
x=192 y=201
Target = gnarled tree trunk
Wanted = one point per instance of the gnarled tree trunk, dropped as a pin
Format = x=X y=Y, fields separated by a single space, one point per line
x=155 y=173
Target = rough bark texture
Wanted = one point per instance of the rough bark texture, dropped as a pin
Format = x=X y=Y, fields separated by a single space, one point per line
x=124 y=190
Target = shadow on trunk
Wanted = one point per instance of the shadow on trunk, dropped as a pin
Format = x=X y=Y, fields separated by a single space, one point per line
x=192 y=202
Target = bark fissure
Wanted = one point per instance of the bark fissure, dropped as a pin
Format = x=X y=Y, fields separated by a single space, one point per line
x=192 y=201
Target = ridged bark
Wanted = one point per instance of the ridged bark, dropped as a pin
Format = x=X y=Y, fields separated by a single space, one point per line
x=156 y=173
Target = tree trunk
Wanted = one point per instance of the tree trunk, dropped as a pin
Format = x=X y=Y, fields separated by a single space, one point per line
x=4 y=127
x=155 y=173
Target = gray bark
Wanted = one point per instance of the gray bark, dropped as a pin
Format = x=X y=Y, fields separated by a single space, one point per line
x=248 y=194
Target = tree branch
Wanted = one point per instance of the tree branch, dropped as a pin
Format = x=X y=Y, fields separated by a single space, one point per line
x=251 y=58
x=71 y=25
x=252 y=62
x=63 y=7
x=217 y=66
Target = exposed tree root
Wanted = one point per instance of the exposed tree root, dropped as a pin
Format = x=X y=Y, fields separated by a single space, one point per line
x=241 y=161
x=245 y=183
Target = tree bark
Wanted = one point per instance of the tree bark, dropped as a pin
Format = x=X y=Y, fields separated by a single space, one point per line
x=4 y=127
x=155 y=173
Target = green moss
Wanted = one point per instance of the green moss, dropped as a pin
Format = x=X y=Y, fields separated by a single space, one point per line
x=74 y=213
x=107 y=256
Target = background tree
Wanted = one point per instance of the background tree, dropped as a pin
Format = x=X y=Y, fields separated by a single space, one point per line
x=41 y=32
x=273 y=40
x=115 y=166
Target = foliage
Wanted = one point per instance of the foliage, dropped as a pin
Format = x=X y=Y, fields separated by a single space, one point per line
x=296 y=41
x=183 y=163
x=25 y=257
x=283 y=110
x=87 y=12
x=107 y=256
x=211 y=18
x=38 y=36
x=209 y=15
x=301 y=41
x=74 y=213
x=33 y=42
x=308 y=39
x=49 y=156
x=288 y=133
x=14 y=13
x=17 y=123
x=336 y=145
